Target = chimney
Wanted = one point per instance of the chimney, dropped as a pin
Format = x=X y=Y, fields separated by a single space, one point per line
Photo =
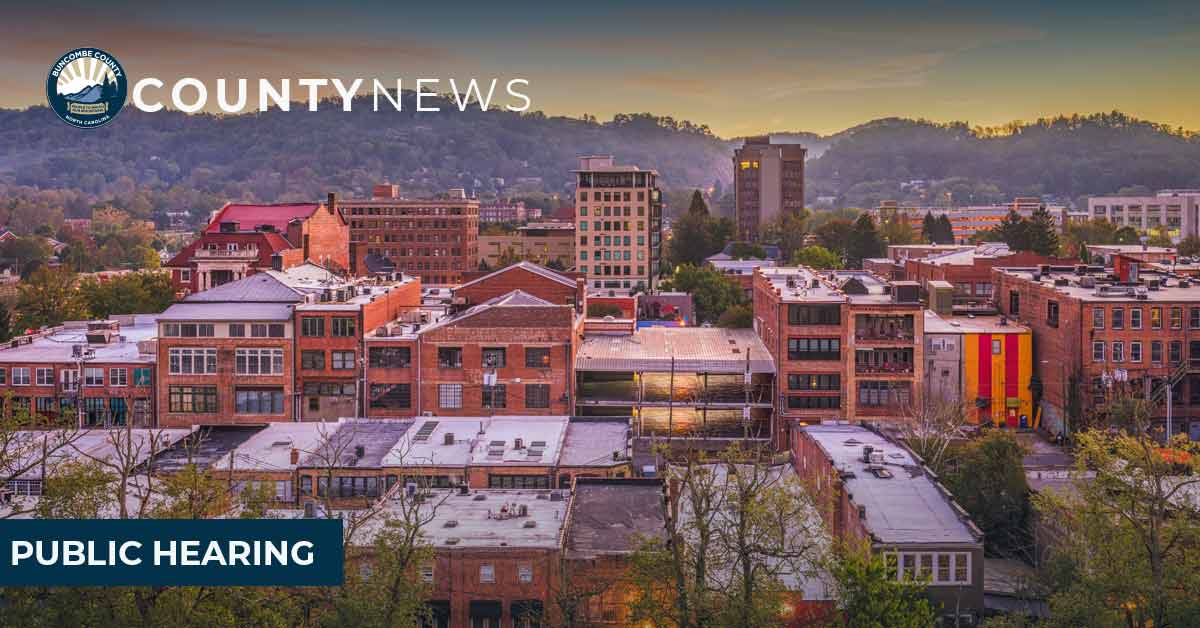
x=295 y=456
x=331 y=203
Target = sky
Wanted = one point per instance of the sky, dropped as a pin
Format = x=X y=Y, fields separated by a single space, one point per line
x=742 y=67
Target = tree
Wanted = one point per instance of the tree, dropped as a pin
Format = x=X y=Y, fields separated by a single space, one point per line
x=48 y=298
x=1129 y=528
x=747 y=250
x=26 y=253
x=1189 y=246
x=1042 y=232
x=1013 y=230
x=929 y=228
x=698 y=207
x=987 y=479
x=694 y=237
x=863 y=242
x=712 y=291
x=6 y=323
x=787 y=231
x=935 y=424
x=894 y=228
x=835 y=234
x=133 y=293
x=737 y=317
x=817 y=257
x=944 y=231
x=870 y=596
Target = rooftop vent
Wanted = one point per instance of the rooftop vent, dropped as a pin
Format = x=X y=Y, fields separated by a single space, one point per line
x=529 y=524
x=450 y=523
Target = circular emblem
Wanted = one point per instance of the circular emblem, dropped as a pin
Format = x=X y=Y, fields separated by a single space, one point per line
x=86 y=88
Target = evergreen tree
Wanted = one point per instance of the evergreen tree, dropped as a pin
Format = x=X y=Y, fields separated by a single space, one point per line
x=6 y=330
x=698 y=207
x=944 y=230
x=863 y=242
x=929 y=226
x=1041 y=232
x=1014 y=231
x=108 y=90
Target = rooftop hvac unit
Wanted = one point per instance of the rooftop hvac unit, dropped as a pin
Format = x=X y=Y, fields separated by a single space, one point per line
x=359 y=451
x=448 y=439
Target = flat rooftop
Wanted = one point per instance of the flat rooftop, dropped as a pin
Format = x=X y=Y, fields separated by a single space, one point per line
x=490 y=441
x=614 y=516
x=57 y=346
x=690 y=349
x=204 y=446
x=372 y=438
x=25 y=446
x=591 y=442
x=971 y=324
x=909 y=506
x=800 y=284
x=1087 y=286
x=270 y=449
x=530 y=519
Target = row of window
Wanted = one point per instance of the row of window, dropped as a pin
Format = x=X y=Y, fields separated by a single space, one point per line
x=1117 y=315
x=613 y=196
x=203 y=400
x=92 y=376
x=341 y=326
x=236 y=330
x=315 y=360
x=248 y=361
x=814 y=348
x=938 y=568
x=96 y=410
x=493 y=357
x=612 y=270
x=1174 y=351
x=611 y=256
x=450 y=396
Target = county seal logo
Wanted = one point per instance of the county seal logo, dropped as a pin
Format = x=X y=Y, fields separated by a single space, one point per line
x=86 y=87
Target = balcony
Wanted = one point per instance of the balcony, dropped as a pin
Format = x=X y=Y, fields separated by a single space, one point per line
x=225 y=254
x=883 y=362
x=870 y=329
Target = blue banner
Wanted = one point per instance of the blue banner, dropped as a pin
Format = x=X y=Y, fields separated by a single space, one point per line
x=165 y=552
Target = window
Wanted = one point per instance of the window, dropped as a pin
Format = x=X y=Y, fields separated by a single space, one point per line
x=1135 y=351
x=427 y=573
x=1176 y=318
x=493 y=358
x=495 y=396
x=996 y=346
x=329 y=389
x=450 y=395
x=814 y=403
x=118 y=377
x=1135 y=318
x=1156 y=352
x=143 y=376
x=1175 y=352
x=389 y=357
x=1194 y=318
x=830 y=381
x=487 y=573
x=525 y=573
x=450 y=357
x=93 y=376
x=20 y=376
x=391 y=396
x=1098 y=351
x=68 y=380
x=1118 y=351
x=1156 y=318
x=3 y=376
x=1052 y=313
x=537 y=357
x=814 y=314
x=185 y=275
x=195 y=399
x=312 y=327
x=342 y=360
x=45 y=405
x=537 y=395
x=814 y=348
x=1098 y=318
x=938 y=567
x=1014 y=302
x=263 y=330
x=259 y=361
x=189 y=330
x=519 y=481
x=184 y=361
x=312 y=360
x=237 y=330
x=344 y=327
x=45 y=377
x=1118 y=318
x=259 y=401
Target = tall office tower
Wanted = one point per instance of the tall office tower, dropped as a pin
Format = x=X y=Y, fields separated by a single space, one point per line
x=768 y=179
x=618 y=210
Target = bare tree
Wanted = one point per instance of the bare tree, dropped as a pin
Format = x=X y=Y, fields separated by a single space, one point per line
x=934 y=424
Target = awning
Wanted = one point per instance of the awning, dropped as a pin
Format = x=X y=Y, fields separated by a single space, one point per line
x=486 y=608
x=526 y=609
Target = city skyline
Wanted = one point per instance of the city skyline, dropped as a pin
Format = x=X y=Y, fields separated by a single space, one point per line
x=741 y=71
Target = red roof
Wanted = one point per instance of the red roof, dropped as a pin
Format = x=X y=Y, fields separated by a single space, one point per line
x=268 y=243
x=249 y=217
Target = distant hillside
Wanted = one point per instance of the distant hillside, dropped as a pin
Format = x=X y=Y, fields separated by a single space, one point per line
x=153 y=163
x=1064 y=157
x=169 y=160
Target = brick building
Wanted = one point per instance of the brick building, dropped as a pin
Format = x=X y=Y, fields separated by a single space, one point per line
x=503 y=211
x=99 y=371
x=435 y=239
x=243 y=239
x=1096 y=336
x=539 y=281
x=969 y=271
x=619 y=224
x=539 y=242
x=768 y=180
x=509 y=355
x=875 y=490
x=982 y=362
x=847 y=345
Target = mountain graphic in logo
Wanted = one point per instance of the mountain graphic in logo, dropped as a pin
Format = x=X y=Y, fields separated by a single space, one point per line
x=86 y=87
